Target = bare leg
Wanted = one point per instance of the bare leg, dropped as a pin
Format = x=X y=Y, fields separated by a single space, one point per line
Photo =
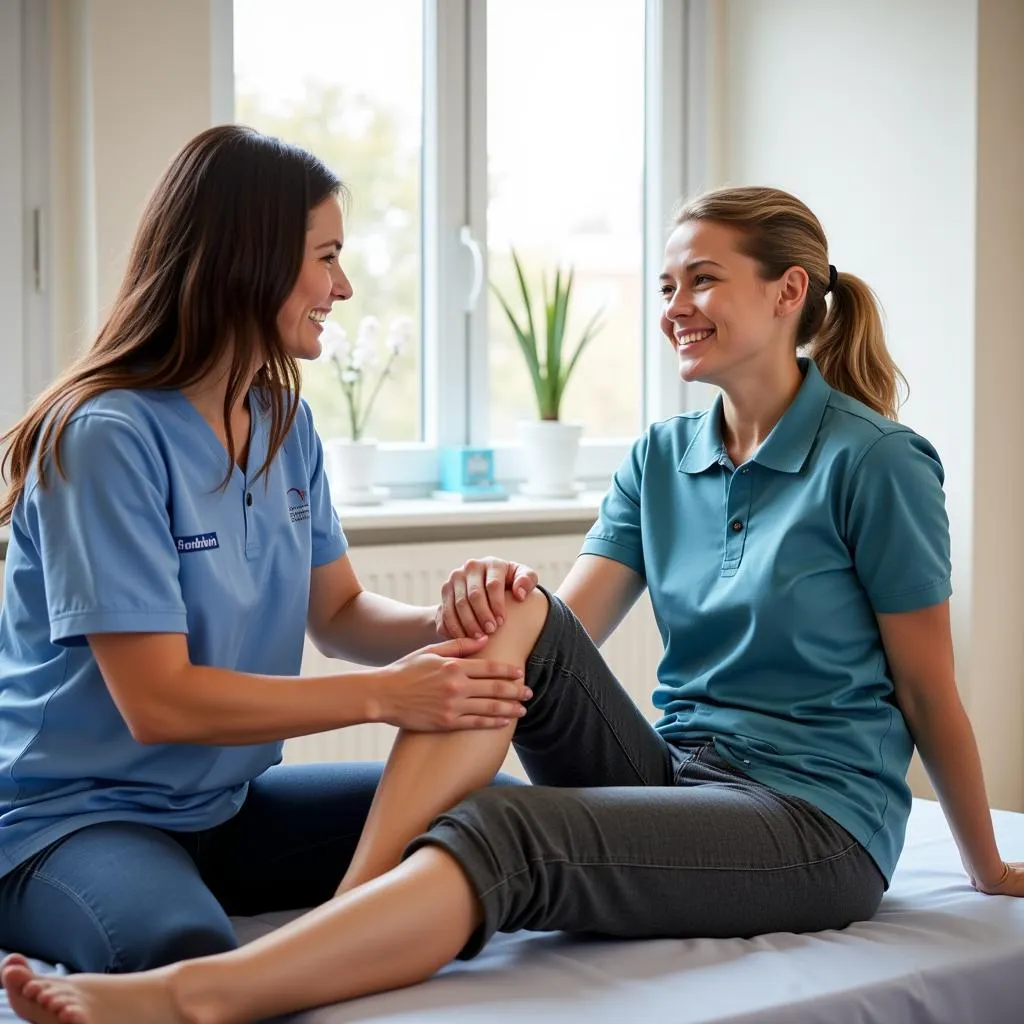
x=427 y=773
x=394 y=931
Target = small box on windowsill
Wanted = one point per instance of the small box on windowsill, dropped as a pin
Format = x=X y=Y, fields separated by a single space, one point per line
x=467 y=474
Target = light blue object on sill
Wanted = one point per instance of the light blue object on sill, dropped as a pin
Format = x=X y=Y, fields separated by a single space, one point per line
x=467 y=474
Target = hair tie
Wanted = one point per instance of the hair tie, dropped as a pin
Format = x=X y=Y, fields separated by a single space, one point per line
x=833 y=276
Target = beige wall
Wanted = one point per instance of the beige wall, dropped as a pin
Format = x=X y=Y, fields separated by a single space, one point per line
x=997 y=668
x=899 y=123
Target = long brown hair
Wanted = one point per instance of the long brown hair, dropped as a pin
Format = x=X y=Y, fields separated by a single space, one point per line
x=845 y=336
x=217 y=251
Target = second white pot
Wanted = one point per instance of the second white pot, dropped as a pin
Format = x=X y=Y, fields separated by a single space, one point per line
x=549 y=451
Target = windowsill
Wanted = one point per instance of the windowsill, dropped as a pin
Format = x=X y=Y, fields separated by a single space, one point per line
x=421 y=520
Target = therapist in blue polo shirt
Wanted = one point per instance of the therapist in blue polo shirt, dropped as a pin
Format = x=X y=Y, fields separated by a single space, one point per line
x=172 y=539
x=795 y=545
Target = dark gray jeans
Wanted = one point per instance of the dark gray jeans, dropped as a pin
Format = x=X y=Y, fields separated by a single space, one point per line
x=623 y=834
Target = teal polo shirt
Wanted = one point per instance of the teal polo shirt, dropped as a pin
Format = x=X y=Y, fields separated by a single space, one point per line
x=766 y=579
x=141 y=537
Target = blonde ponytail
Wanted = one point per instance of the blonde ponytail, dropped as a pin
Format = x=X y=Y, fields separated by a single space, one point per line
x=850 y=349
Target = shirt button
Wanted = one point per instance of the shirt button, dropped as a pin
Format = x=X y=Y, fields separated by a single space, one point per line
x=736 y=526
x=745 y=470
x=248 y=499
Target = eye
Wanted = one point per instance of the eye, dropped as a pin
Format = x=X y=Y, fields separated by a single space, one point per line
x=702 y=279
x=666 y=290
x=330 y=259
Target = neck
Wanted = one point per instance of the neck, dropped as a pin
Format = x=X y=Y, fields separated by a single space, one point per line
x=208 y=396
x=752 y=406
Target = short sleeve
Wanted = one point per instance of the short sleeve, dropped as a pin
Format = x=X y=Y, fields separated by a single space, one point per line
x=329 y=542
x=617 y=533
x=898 y=530
x=104 y=536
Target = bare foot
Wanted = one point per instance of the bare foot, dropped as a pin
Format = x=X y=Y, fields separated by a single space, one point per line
x=91 y=998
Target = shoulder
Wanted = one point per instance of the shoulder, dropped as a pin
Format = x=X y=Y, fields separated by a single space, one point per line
x=111 y=432
x=669 y=438
x=862 y=438
x=122 y=417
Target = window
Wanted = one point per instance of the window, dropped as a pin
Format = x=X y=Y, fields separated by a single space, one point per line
x=565 y=163
x=344 y=80
x=465 y=128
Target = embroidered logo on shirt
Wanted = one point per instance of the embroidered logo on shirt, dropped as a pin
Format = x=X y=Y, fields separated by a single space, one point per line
x=298 y=504
x=197 y=542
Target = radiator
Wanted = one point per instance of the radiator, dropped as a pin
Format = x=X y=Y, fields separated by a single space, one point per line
x=414 y=573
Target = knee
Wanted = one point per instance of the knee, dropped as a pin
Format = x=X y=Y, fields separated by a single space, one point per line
x=524 y=621
x=174 y=937
x=501 y=817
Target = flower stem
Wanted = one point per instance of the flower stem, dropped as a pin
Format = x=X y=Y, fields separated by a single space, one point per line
x=385 y=373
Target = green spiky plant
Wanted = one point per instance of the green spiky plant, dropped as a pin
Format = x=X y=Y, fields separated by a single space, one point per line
x=547 y=357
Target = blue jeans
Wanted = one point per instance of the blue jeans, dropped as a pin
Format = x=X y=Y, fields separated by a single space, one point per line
x=121 y=897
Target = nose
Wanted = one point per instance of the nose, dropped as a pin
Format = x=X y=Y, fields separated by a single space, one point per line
x=680 y=304
x=341 y=286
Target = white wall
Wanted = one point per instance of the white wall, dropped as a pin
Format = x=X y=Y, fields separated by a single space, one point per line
x=869 y=111
x=132 y=82
x=12 y=226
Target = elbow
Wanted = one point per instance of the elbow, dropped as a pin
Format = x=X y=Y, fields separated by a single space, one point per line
x=152 y=730
x=156 y=724
x=320 y=639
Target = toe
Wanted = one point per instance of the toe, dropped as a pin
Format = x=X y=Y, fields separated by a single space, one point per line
x=15 y=976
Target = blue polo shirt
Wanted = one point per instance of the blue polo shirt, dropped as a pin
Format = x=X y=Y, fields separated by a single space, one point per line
x=766 y=579
x=142 y=538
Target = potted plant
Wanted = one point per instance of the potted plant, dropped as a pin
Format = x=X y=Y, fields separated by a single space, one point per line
x=352 y=460
x=550 y=446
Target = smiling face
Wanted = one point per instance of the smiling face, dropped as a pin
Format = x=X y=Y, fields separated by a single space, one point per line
x=321 y=282
x=721 y=316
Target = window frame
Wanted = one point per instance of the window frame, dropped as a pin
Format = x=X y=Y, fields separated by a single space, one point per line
x=454 y=380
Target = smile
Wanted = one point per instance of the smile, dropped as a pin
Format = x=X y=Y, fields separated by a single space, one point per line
x=692 y=337
x=318 y=315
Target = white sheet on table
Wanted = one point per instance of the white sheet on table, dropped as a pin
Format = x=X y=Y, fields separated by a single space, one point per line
x=936 y=952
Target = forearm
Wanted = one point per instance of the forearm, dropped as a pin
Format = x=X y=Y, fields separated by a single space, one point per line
x=375 y=630
x=218 y=707
x=948 y=748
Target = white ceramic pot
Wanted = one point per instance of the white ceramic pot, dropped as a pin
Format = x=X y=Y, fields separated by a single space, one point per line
x=351 y=470
x=549 y=449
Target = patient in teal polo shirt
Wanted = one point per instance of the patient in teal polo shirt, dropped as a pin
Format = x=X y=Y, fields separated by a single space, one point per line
x=794 y=542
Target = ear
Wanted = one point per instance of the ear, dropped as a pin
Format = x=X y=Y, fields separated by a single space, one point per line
x=792 y=291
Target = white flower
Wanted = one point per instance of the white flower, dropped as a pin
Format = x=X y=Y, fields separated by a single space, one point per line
x=333 y=341
x=350 y=376
x=399 y=335
x=368 y=333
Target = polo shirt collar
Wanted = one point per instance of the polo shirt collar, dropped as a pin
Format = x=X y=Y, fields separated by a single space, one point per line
x=786 y=448
x=707 y=447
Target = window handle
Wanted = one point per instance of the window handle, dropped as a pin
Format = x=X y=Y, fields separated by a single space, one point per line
x=467 y=239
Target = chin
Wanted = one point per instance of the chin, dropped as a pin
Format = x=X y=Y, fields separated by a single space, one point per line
x=696 y=372
x=304 y=349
